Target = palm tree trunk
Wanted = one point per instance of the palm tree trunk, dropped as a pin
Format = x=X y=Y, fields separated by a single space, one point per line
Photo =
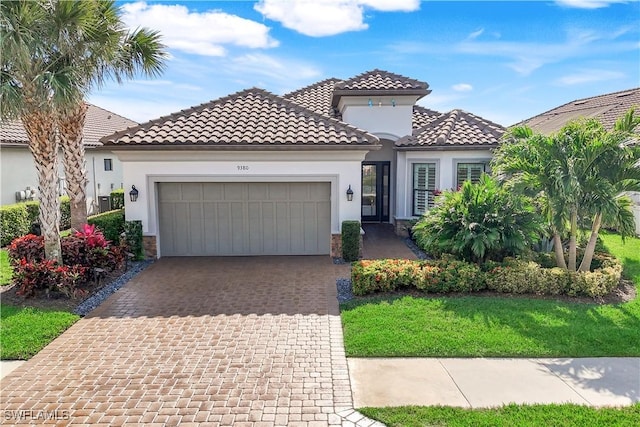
x=573 y=239
x=70 y=128
x=585 y=265
x=41 y=129
x=557 y=247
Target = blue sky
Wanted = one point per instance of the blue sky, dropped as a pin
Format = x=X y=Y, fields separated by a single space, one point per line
x=504 y=60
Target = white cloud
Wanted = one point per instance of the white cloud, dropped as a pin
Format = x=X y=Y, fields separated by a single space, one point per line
x=589 y=76
x=588 y=4
x=526 y=57
x=318 y=18
x=462 y=87
x=475 y=34
x=200 y=33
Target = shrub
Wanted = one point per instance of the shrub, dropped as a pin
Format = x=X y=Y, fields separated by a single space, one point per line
x=82 y=253
x=480 y=222
x=117 y=199
x=111 y=223
x=47 y=275
x=29 y=248
x=510 y=276
x=133 y=236
x=350 y=240
x=16 y=219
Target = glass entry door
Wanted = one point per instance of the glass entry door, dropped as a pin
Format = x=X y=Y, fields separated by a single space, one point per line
x=375 y=191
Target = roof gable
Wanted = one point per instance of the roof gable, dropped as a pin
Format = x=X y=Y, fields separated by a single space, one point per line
x=455 y=129
x=252 y=118
x=607 y=108
x=98 y=123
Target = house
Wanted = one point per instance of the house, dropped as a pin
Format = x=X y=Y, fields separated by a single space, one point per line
x=607 y=108
x=19 y=180
x=254 y=173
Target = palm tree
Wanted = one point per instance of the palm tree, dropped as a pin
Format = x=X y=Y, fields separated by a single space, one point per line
x=533 y=164
x=53 y=53
x=109 y=50
x=580 y=173
x=33 y=85
x=613 y=170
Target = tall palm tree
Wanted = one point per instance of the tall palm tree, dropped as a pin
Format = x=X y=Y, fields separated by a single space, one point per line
x=613 y=170
x=33 y=85
x=580 y=173
x=53 y=53
x=110 y=50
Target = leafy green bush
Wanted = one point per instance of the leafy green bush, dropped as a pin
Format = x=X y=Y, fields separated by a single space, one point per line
x=480 y=222
x=510 y=276
x=350 y=240
x=117 y=199
x=133 y=233
x=111 y=223
x=16 y=220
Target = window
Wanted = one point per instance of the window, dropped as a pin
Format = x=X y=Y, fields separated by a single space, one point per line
x=469 y=172
x=424 y=183
x=108 y=165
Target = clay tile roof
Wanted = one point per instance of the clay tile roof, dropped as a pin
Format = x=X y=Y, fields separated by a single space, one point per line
x=98 y=123
x=379 y=82
x=422 y=116
x=253 y=118
x=455 y=129
x=607 y=108
x=316 y=97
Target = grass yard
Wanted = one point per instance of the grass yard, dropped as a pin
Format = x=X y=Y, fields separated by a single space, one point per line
x=6 y=272
x=476 y=326
x=566 y=415
x=25 y=331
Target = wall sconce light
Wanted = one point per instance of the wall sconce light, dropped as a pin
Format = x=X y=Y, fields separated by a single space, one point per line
x=349 y=194
x=370 y=103
x=393 y=102
x=133 y=194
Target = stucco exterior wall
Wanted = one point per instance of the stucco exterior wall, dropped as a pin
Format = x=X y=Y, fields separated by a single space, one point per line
x=381 y=119
x=18 y=171
x=146 y=169
x=446 y=164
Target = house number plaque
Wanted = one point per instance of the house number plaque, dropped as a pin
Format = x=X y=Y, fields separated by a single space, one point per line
x=243 y=167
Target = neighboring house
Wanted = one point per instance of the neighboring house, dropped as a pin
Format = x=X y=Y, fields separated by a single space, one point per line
x=607 y=108
x=19 y=179
x=255 y=173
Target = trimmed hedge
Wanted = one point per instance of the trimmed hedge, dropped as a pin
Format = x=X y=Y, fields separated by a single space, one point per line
x=350 y=240
x=111 y=223
x=133 y=233
x=510 y=276
x=117 y=199
x=16 y=219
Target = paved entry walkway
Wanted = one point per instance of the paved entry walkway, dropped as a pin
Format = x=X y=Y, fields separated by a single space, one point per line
x=198 y=341
x=380 y=241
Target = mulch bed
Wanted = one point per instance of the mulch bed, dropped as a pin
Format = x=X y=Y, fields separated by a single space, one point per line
x=55 y=301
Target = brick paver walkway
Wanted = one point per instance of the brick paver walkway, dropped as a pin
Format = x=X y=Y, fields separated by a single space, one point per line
x=198 y=341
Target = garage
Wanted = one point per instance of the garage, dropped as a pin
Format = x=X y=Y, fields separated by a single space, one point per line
x=247 y=218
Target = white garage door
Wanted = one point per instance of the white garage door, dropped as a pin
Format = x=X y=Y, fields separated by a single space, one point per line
x=274 y=218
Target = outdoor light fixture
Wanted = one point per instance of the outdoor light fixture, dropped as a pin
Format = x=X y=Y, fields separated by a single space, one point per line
x=133 y=194
x=370 y=102
x=349 y=194
x=393 y=102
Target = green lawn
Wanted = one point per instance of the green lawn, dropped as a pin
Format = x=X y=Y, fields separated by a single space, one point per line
x=507 y=416
x=475 y=326
x=5 y=268
x=25 y=330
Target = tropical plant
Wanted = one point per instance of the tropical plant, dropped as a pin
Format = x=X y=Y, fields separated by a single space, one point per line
x=110 y=50
x=53 y=53
x=579 y=174
x=480 y=222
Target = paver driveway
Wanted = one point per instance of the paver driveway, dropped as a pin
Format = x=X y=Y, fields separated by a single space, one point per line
x=209 y=341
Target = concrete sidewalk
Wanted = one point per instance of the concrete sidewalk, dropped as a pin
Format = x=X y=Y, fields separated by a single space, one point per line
x=477 y=383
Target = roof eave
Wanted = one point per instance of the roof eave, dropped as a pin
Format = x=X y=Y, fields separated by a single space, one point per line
x=338 y=93
x=261 y=147
x=445 y=147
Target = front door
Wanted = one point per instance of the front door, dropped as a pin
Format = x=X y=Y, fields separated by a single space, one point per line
x=375 y=191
